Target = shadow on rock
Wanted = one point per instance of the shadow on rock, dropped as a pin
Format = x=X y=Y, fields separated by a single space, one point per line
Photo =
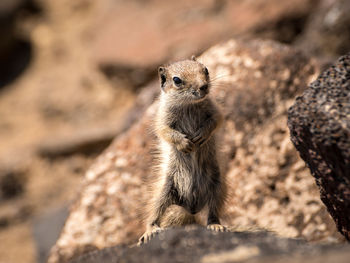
x=195 y=244
x=14 y=62
x=15 y=52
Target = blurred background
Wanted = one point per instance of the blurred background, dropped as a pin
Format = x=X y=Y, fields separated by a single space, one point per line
x=70 y=73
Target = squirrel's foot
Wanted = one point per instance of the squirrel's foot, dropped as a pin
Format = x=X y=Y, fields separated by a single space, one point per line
x=217 y=228
x=148 y=235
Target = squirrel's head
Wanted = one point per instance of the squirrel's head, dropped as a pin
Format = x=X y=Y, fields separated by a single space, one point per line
x=186 y=81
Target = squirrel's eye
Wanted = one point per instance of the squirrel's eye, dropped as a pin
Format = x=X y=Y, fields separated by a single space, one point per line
x=177 y=80
x=206 y=72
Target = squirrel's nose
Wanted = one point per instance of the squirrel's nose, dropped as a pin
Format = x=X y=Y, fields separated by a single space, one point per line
x=204 y=87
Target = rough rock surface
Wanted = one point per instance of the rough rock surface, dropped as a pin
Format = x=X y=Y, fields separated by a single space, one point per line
x=319 y=122
x=194 y=244
x=255 y=82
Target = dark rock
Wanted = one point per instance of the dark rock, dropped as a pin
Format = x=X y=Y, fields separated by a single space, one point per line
x=327 y=32
x=319 y=123
x=287 y=28
x=195 y=244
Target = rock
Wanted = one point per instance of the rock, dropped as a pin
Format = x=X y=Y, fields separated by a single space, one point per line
x=194 y=244
x=180 y=29
x=269 y=185
x=319 y=122
x=327 y=33
x=87 y=142
x=93 y=140
x=130 y=54
x=134 y=77
x=254 y=82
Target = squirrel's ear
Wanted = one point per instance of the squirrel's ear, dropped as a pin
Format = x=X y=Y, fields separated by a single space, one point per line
x=162 y=76
x=193 y=58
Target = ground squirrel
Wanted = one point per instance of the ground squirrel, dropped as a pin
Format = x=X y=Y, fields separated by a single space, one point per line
x=189 y=173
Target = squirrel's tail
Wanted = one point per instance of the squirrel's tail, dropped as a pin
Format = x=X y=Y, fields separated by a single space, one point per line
x=177 y=216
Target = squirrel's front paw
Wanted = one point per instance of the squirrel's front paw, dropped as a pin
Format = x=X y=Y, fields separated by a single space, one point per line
x=200 y=138
x=148 y=235
x=185 y=145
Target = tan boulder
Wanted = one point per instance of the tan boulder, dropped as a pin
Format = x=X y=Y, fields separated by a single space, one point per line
x=270 y=187
x=147 y=33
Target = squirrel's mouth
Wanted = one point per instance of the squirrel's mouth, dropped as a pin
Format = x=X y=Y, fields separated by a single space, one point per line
x=197 y=97
x=200 y=93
